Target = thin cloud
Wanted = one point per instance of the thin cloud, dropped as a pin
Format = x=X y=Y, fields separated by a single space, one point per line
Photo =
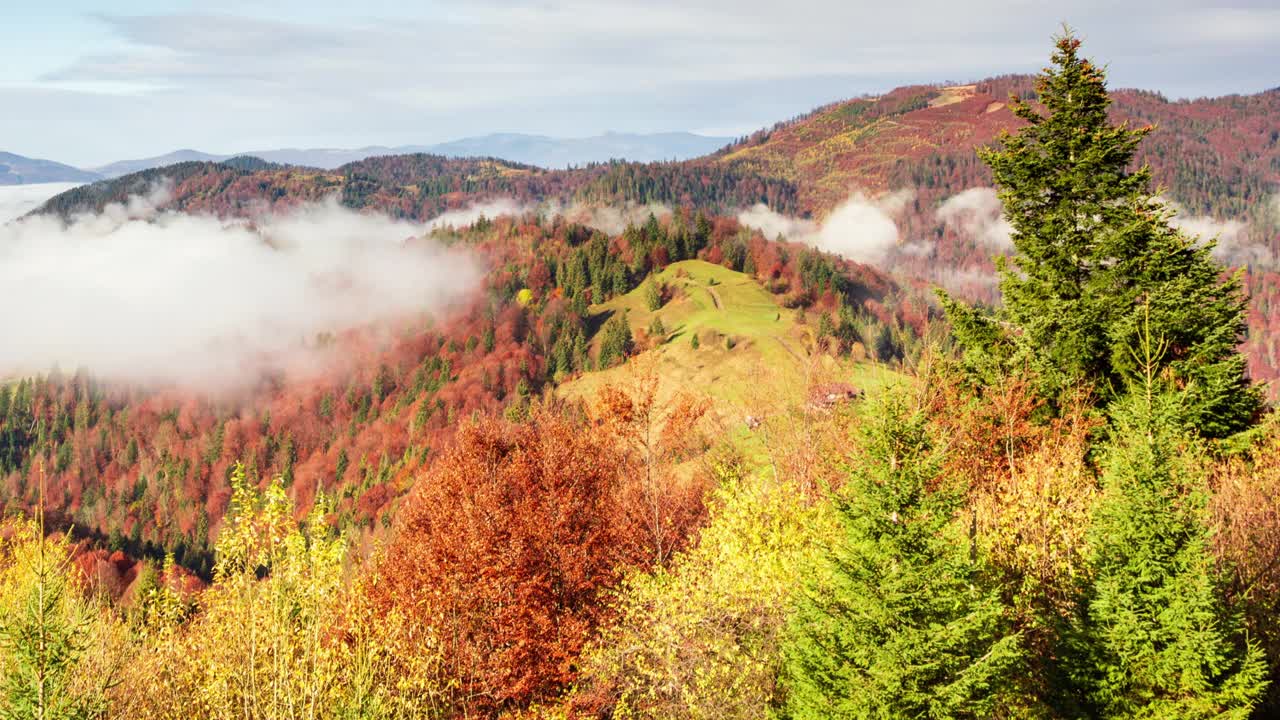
x=861 y=228
x=610 y=219
x=978 y=214
x=140 y=294
x=1233 y=241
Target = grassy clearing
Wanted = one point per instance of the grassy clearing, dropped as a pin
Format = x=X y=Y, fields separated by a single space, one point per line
x=751 y=354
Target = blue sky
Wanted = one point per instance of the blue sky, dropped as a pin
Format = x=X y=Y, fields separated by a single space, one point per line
x=91 y=82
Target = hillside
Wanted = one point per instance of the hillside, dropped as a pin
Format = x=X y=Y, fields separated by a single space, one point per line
x=1218 y=159
x=1217 y=156
x=147 y=469
x=744 y=338
x=19 y=170
x=422 y=186
x=872 y=143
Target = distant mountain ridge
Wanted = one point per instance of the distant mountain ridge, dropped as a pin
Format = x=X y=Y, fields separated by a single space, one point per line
x=557 y=153
x=20 y=170
x=125 y=167
x=540 y=150
x=1218 y=159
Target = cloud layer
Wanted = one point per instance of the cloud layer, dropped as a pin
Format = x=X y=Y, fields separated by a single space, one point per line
x=978 y=214
x=861 y=228
x=143 y=295
x=1234 y=245
x=18 y=200
x=610 y=219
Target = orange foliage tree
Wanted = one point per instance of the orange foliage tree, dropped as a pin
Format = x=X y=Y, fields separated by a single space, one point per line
x=1031 y=491
x=656 y=434
x=1245 y=507
x=504 y=552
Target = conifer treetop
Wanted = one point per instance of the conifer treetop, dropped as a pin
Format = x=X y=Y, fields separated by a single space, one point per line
x=1093 y=250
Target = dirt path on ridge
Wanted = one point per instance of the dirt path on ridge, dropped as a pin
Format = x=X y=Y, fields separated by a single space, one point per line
x=715 y=298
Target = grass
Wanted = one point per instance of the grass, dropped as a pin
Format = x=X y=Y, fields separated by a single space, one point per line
x=752 y=352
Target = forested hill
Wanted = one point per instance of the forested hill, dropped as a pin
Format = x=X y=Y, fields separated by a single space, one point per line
x=1217 y=158
x=422 y=186
x=148 y=470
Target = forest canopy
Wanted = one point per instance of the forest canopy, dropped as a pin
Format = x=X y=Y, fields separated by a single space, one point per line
x=1064 y=506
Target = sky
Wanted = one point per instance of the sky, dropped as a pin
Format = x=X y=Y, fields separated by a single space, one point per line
x=88 y=83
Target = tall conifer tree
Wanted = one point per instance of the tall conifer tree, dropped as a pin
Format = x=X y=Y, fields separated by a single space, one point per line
x=44 y=630
x=1154 y=638
x=899 y=624
x=1092 y=246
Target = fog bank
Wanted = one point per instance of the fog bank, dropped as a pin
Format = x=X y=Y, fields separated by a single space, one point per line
x=139 y=294
x=861 y=228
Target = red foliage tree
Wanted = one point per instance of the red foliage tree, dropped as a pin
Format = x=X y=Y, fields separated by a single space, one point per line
x=505 y=550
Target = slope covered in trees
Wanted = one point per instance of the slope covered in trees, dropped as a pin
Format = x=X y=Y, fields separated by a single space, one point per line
x=420 y=186
x=148 y=470
x=1217 y=158
x=1072 y=512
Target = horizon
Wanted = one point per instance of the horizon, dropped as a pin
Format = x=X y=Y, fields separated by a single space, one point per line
x=418 y=147
x=374 y=146
x=230 y=77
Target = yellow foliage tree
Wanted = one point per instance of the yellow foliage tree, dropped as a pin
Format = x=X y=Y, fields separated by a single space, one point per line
x=699 y=639
x=279 y=635
x=60 y=650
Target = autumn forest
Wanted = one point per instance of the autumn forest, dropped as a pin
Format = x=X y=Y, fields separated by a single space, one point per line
x=693 y=439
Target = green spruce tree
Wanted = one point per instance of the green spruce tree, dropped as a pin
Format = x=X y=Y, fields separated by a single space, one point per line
x=898 y=624
x=616 y=341
x=652 y=295
x=45 y=632
x=1154 y=638
x=658 y=329
x=1092 y=245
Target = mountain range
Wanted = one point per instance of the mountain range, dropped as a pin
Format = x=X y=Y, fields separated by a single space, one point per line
x=477 y=431
x=1218 y=160
x=19 y=170
x=539 y=150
